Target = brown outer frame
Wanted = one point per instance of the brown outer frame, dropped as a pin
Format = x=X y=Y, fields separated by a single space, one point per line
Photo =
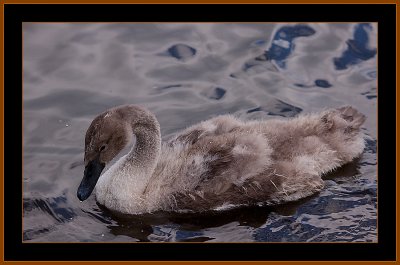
x=199 y=2
x=4 y=2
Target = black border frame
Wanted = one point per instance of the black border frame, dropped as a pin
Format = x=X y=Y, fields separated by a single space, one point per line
x=384 y=14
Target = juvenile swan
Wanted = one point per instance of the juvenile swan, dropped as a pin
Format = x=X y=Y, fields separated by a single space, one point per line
x=217 y=163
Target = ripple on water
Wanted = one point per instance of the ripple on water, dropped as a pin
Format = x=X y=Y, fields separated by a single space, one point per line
x=182 y=52
x=282 y=43
x=280 y=108
x=216 y=93
x=42 y=165
x=56 y=208
x=322 y=83
x=66 y=101
x=357 y=48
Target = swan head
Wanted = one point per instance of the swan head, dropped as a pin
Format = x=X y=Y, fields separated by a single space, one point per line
x=106 y=136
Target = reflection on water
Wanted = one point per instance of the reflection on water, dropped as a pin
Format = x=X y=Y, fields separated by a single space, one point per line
x=357 y=48
x=282 y=44
x=185 y=73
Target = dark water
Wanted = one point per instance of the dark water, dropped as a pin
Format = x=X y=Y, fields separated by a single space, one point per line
x=185 y=73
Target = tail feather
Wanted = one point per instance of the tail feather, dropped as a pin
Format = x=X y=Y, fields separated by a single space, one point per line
x=352 y=115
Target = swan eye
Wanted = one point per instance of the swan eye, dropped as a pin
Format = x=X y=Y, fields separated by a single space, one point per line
x=102 y=147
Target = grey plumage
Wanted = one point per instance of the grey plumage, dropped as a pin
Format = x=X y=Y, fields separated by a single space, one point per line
x=219 y=162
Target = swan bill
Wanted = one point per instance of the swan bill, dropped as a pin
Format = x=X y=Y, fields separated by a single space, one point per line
x=90 y=177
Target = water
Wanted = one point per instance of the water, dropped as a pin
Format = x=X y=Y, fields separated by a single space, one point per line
x=185 y=73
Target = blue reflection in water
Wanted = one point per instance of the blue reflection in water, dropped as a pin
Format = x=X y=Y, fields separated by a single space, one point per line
x=318 y=82
x=280 y=108
x=184 y=235
x=357 y=48
x=323 y=208
x=56 y=208
x=322 y=83
x=282 y=44
x=218 y=93
x=182 y=51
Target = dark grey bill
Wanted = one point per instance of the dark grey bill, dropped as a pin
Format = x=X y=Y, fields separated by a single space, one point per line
x=90 y=177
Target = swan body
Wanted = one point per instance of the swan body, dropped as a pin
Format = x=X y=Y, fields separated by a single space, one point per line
x=217 y=163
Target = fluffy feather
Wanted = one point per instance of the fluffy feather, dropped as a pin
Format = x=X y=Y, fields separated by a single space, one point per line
x=221 y=161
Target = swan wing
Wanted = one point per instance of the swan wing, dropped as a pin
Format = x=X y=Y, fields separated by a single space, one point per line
x=214 y=127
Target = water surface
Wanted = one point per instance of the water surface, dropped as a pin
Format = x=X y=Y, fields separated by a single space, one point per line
x=185 y=73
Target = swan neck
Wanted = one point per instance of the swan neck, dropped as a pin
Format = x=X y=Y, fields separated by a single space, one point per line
x=147 y=148
x=145 y=153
